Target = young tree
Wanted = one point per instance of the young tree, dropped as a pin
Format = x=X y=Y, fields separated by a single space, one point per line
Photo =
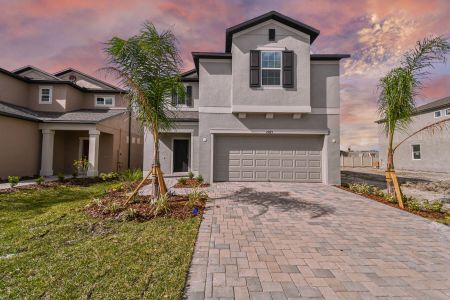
x=396 y=103
x=148 y=65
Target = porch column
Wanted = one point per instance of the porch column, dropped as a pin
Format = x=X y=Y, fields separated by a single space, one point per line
x=94 y=136
x=48 y=137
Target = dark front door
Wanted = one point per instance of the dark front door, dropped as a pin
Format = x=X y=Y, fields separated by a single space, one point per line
x=180 y=155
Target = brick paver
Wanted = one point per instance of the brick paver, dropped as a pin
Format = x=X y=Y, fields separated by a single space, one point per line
x=312 y=241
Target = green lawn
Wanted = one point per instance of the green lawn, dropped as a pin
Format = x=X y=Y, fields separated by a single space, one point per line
x=50 y=249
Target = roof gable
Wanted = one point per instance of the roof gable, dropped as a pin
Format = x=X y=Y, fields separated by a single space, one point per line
x=34 y=73
x=272 y=15
x=84 y=80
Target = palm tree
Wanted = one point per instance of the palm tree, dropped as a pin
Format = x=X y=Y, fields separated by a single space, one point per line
x=148 y=65
x=396 y=103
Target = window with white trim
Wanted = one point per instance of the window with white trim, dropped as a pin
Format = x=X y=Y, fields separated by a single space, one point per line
x=447 y=112
x=45 y=94
x=415 y=151
x=104 y=100
x=437 y=114
x=271 y=68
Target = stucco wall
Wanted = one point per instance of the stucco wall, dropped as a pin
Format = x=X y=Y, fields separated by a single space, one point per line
x=325 y=86
x=216 y=83
x=435 y=148
x=257 y=38
x=20 y=148
x=59 y=98
x=13 y=90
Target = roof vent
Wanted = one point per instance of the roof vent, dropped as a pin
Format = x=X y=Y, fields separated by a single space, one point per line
x=73 y=78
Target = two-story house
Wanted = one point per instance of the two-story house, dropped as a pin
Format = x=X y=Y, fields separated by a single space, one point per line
x=427 y=151
x=49 y=120
x=266 y=109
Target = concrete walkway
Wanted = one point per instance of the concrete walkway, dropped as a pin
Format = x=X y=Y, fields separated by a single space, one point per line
x=6 y=185
x=312 y=241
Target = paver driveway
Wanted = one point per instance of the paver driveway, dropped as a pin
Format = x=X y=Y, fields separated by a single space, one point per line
x=312 y=241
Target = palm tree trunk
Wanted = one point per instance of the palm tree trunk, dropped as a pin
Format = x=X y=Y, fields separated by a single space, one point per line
x=393 y=186
x=156 y=163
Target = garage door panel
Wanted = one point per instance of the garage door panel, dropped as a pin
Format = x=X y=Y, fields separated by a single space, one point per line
x=264 y=158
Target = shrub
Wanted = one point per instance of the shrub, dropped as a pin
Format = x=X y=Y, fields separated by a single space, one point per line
x=199 y=178
x=40 y=180
x=13 y=180
x=161 y=204
x=194 y=196
x=412 y=203
x=60 y=177
x=112 y=207
x=109 y=176
x=435 y=206
x=361 y=188
x=131 y=175
x=80 y=166
x=391 y=198
x=182 y=180
x=378 y=192
x=190 y=175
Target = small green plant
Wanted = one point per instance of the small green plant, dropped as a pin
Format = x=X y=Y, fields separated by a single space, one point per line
x=40 y=180
x=74 y=174
x=190 y=175
x=391 y=198
x=129 y=214
x=112 y=207
x=13 y=180
x=412 y=203
x=130 y=175
x=378 y=192
x=60 y=177
x=194 y=196
x=182 y=180
x=199 y=178
x=80 y=166
x=109 y=176
x=361 y=188
x=161 y=205
x=435 y=206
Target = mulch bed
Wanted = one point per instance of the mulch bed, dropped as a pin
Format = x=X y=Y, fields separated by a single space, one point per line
x=425 y=214
x=191 y=183
x=113 y=206
x=52 y=184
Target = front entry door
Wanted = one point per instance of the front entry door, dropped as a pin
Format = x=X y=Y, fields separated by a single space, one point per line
x=180 y=155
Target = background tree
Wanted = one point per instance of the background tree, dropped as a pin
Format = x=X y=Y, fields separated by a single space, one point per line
x=148 y=65
x=399 y=87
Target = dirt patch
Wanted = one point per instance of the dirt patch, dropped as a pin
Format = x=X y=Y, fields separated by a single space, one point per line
x=114 y=205
x=442 y=186
x=52 y=184
x=191 y=183
x=425 y=214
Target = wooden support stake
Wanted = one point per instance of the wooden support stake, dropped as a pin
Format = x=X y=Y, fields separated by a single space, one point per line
x=398 y=191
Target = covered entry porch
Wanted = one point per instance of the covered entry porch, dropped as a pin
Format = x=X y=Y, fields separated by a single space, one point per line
x=64 y=143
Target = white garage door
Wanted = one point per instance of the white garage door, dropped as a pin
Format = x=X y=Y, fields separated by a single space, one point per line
x=268 y=158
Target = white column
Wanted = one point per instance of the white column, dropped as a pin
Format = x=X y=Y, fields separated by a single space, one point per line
x=48 y=138
x=94 y=136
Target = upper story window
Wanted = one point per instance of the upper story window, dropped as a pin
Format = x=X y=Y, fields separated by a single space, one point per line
x=104 y=100
x=437 y=114
x=415 y=149
x=447 y=112
x=180 y=101
x=45 y=94
x=271 y=68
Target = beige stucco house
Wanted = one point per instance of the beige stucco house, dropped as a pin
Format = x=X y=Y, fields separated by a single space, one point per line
x=49 y=120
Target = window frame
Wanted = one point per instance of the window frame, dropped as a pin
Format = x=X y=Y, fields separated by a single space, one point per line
x=266 y=68
x=420 y=151
x=437 y=111
x=50 y=94
x=447 y=111
x=113 y=97
x=185 y=98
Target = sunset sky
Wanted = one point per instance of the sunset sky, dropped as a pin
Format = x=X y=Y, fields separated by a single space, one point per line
x=53 y=35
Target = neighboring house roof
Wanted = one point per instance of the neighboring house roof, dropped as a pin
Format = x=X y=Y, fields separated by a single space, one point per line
x=58 y=81
x=189 y=76
x=184 y=116
x=272 y=15
x=67 y=70
x=434 y=105
x=89 y=116
x=215 y=55
x=29 y=67
x=328 y=56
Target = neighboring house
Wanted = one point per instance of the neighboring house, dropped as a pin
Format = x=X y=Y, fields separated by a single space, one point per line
x=426 y=151
x=266 y=109
x=49 y=120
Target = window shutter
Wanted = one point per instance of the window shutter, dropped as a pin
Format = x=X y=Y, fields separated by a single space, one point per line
x=288 y=69
x=255 y=67
x=174 y=98
x=189 y=95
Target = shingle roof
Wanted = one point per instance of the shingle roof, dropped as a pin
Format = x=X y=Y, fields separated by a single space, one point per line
x=90 y=116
